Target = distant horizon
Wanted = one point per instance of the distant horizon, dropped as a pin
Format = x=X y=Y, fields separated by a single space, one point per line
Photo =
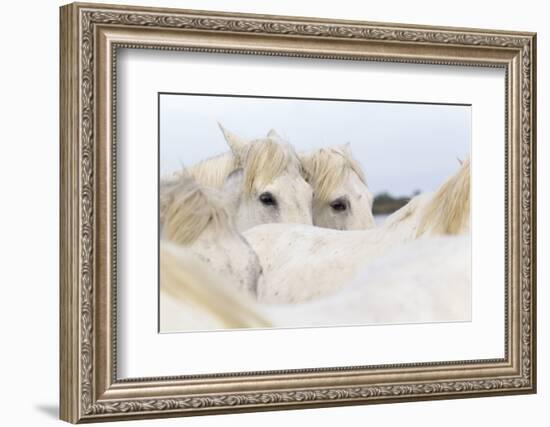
x=402 y=147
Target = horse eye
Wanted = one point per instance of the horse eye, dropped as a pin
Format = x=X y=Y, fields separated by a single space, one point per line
x=339 y=205
x=268 y=199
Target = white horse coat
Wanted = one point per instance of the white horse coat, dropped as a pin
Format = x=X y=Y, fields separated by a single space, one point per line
x=208 y=271
x=193 y=296
x=196 y=218
x=301 y=263
x=341 y=197
x=425 y=280
x=261 y=181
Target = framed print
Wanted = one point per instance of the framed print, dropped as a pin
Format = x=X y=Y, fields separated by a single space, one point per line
x=267 y=212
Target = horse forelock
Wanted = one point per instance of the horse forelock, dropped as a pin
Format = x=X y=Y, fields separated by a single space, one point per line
x=327 y=168
x=187 y=209
x=448 y=212
x=266 y=159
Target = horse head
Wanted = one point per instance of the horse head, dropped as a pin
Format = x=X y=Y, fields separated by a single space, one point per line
x=196 y=217
x=341 y=197
x=267 y=184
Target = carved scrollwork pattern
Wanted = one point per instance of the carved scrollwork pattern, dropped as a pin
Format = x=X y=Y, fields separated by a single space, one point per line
x=87 y=210
x=324 y=395
x=89 y=18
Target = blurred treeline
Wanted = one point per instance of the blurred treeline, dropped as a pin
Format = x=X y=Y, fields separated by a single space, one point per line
x=385 y=203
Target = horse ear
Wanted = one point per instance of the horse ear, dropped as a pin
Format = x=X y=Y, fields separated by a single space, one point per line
x=236 y=143
x=273 y=134
x=346 y=148
x=306 y=159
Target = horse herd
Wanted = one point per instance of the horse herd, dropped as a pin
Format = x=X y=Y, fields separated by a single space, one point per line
x=264 y=236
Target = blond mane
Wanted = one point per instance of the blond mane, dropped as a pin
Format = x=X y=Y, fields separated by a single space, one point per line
x=326 y=169
x=186 y=209
x=448 y=211
x=263 y=160
x=212 y=172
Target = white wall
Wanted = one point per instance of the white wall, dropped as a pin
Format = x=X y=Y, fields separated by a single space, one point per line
x=29 y=214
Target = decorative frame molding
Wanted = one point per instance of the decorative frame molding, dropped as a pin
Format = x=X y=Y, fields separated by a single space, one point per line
x=90 y=36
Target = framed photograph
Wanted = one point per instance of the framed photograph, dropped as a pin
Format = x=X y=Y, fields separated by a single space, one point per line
x=266 y=212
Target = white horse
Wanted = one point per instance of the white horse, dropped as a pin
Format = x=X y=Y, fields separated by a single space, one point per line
x=425 y=280
x=341 y=197
x=194 y=297
x=197 y=218
x=209 y=275
x=301 y=263
x=261 y=179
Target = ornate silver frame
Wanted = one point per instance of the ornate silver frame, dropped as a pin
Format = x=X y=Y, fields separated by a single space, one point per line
x=90 y=36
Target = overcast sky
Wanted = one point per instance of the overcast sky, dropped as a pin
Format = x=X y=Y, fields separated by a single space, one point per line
x=401 y=147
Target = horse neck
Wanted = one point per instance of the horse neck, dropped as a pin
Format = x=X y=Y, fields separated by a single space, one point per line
x=228 y=253
x=213 y=171
x=190 y=281
x=402 y=225
x=445 y=211
x=448 y=212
